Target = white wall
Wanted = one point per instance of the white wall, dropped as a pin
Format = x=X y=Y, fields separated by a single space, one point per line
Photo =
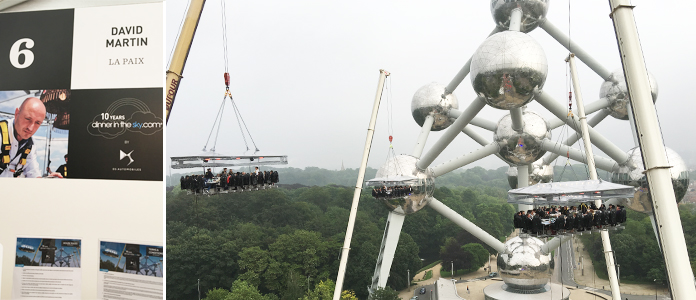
x=92 y=210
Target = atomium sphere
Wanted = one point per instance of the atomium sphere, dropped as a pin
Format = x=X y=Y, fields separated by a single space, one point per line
x=538 y=173
x=421 y=182
x=533 y=13
x=615 y=91
x=428 y=100
x=635 y=177
x=523 y=266
x=506 y=69
x=522 y=148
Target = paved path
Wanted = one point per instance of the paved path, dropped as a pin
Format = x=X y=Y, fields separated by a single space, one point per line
x=428 y=284
x=567 y=268
x=567 y=272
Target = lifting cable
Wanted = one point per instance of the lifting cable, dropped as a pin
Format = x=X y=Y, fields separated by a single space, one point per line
x=570 y=117
x=224 y=40
x=237 y=113
x=218 y=116
x=570 y=105
x=390 y=128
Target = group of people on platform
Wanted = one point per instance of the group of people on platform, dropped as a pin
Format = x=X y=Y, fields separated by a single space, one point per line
x=228 y=180
x=392 y=192
x=554 y=220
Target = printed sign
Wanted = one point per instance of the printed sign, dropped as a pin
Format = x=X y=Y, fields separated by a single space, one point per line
x=91 y=80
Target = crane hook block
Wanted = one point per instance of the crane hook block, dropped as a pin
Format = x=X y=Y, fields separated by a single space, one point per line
x=227 y=79
x=390 y=138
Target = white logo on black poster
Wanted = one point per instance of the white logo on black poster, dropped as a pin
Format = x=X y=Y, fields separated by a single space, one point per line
x=126 y=114
x=124 y=155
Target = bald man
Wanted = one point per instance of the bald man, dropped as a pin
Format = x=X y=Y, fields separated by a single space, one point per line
x=16 y=157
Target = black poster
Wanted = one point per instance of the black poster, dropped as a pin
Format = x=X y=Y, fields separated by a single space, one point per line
x=36 y=50
x=113 y=135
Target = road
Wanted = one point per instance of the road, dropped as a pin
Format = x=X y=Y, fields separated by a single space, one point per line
x=565 y=263
x=430 y=292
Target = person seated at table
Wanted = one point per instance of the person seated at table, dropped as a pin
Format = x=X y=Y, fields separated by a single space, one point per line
x=559 y=224
x=555 y=213
x=587 y=220
x=621 y=214
x=528 y=222
x=606 y=214
x=572 y=210
x=583 y=207
x=518 y=220
x=612 y=216
x=540 y=212
x=537 y=227
x=579 y=221
x=570 y=222
x=598 y=219
x=232 y=180
x=254 y=180
x=566 y=210
x=201 y=183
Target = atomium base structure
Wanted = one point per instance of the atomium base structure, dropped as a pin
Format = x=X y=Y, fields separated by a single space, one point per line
x=525 y=266
x=502 y=291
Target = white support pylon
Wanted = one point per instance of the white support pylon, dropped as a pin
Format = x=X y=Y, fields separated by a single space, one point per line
x=671 y=233
x=390 y=239
x=606 y=243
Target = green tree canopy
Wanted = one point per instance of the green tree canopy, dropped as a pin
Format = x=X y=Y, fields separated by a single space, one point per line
x=216 y=294
x=479 y=255
x=241 y=290
x=386 y=293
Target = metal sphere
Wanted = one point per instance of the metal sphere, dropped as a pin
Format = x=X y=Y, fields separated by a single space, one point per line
x=428 y=100
x=506 y=69
x=615 y=91
x=538 y=173
x=523 y=266
x=635 y=177
x=533 y=13
x=423 y=184
x=524 y=147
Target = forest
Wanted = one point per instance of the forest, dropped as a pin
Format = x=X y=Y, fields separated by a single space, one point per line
x=636 y=249
x=285 y=243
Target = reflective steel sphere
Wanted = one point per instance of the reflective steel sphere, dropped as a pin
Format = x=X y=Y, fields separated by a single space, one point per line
x=533 y=13
x=423 y=184
x=635 y=177
x=523 y=266
x=616 y=92
x=428 y=100
x=538 y=173
x=506 y=69
x=522 y=148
